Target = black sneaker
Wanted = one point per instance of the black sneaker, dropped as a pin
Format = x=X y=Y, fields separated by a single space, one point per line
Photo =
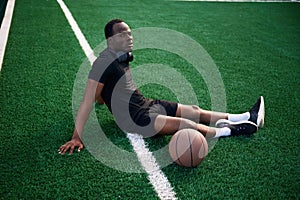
x=257 y=115
x=257 y=112
x=242 y=128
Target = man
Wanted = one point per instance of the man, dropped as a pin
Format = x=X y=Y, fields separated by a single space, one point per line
x=110 y=83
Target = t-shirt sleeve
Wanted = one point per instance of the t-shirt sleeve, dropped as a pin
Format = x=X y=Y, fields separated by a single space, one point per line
x=101 y=70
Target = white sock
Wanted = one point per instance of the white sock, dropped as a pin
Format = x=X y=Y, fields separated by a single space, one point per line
x=222 y=132
x=239 y=117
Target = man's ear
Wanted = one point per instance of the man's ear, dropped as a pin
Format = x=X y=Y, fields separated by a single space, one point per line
x=109 y=40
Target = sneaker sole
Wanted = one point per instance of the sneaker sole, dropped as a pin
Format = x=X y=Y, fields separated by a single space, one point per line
x=261 y=113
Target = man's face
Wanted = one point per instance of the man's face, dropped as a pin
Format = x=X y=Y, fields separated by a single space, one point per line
x=122 y=39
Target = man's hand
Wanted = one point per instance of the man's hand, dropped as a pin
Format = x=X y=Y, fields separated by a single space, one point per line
x=70 y=146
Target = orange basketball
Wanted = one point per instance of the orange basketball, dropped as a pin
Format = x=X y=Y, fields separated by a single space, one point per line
x=188 y=148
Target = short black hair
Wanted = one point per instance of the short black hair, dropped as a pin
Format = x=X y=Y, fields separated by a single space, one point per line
x=108 y=30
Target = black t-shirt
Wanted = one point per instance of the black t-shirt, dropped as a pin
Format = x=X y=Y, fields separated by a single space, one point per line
x=119 y=92
x=131 y=110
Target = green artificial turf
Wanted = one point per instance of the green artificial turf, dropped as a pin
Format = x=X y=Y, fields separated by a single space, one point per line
x=256 y=47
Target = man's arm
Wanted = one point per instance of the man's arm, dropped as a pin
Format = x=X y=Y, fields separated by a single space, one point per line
x=98 y=96
x=92 y=93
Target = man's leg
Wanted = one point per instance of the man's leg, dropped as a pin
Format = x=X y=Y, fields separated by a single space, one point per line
x=199 y=115
x=166 y=125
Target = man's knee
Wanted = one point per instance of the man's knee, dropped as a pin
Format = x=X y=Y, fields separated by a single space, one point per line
x=196 y=108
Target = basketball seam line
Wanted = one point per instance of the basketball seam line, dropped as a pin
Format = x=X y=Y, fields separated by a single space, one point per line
x=191 y=151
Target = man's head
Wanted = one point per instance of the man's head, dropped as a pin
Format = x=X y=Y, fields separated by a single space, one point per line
x=118 y=36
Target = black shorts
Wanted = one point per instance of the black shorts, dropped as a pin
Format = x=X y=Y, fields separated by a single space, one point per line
x=145 y=116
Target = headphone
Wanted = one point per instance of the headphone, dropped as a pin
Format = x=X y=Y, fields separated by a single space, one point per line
x=125 y=57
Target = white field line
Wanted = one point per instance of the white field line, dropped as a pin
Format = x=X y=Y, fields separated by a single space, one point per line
x=79 y=35
x=157 y=178
x=4 y=30
x=155 y=175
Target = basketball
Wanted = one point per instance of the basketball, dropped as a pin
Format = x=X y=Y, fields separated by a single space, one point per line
x=188 y=148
